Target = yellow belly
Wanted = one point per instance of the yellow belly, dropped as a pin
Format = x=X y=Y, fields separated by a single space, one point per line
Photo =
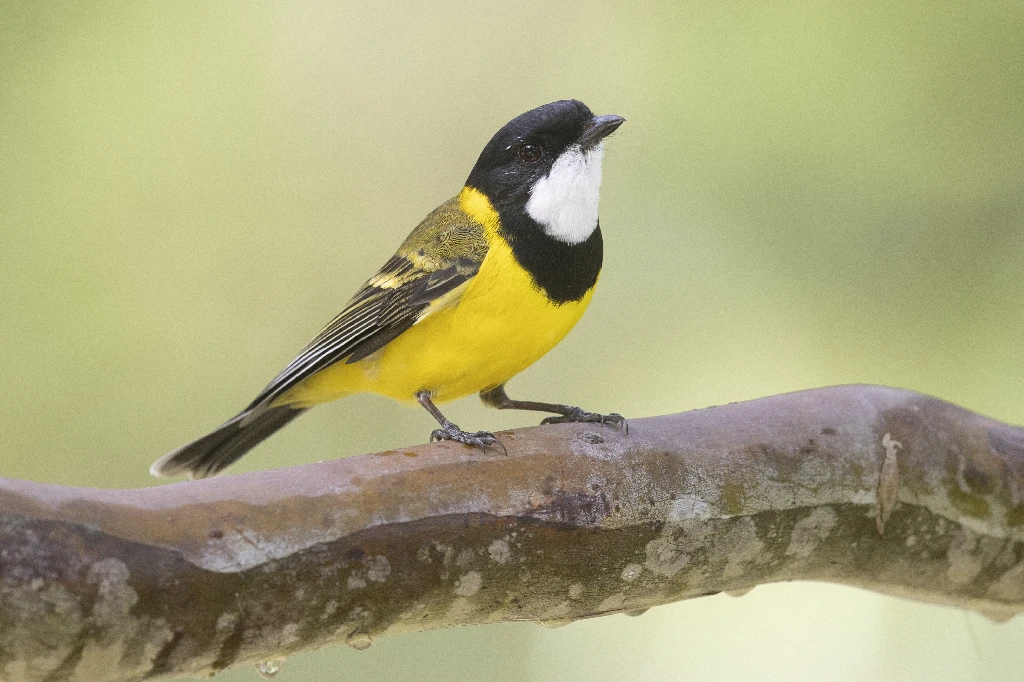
x=500 y=325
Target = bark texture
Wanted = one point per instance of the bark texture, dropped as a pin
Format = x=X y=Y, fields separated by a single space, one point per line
x=880 y=488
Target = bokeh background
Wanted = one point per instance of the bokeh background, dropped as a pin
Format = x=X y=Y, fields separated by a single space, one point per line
x=804 y=194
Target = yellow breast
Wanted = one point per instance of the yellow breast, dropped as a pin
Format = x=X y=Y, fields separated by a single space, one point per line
x=499 y=325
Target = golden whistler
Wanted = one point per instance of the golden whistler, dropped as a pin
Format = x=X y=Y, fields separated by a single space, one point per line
x=489 y=282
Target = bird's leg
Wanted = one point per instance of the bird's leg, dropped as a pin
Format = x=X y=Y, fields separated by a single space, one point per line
x=496 y=397
x=450 y=431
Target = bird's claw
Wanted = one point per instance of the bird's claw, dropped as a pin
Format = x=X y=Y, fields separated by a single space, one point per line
x=576 y=415
x=454 y=433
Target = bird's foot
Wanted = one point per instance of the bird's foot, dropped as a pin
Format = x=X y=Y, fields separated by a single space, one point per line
x=576 y=415
x=480 y=438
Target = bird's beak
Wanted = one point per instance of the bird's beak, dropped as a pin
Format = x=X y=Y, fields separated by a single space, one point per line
x=599 y=128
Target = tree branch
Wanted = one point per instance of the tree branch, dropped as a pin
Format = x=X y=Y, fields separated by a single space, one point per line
x=875 y=487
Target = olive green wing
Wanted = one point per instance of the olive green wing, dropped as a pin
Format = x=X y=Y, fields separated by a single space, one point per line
x=440 y=256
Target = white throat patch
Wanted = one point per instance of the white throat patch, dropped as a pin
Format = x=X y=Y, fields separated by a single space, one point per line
x=564 y=202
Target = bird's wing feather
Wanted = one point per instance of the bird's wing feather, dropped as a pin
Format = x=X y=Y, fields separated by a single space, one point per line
x=438 y=258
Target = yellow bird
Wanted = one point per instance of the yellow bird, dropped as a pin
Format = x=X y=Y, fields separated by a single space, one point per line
x=488 y=283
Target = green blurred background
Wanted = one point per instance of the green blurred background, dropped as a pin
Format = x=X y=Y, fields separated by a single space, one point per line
x=804 y=194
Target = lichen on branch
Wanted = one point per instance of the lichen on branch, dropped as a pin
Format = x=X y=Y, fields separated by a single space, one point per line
x=880 y=488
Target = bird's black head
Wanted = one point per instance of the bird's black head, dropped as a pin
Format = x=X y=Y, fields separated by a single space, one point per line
x=527 y=147
x=542 y=174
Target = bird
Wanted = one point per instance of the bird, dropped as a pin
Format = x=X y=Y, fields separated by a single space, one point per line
x=485 y=285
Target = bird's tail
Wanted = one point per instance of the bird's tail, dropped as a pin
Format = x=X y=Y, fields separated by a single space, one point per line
x=216 y=450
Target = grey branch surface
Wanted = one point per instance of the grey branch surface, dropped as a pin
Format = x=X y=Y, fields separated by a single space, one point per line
x=881 y=488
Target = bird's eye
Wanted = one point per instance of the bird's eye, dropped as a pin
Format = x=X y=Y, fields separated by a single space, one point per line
x=530 y=152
